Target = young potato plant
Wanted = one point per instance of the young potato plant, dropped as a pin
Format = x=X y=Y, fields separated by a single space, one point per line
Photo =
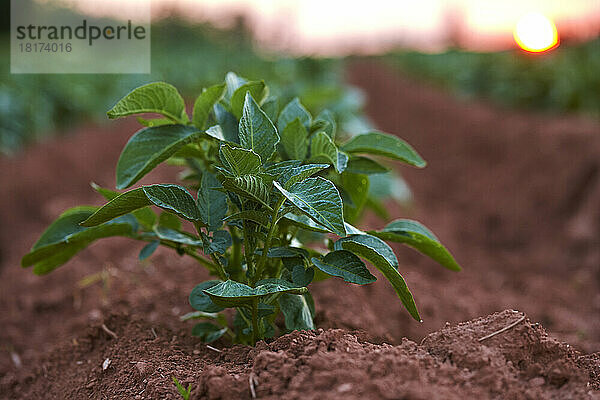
x=269 y=182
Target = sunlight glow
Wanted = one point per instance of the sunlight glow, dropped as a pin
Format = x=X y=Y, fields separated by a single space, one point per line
x=536 y=33
x=342 y=27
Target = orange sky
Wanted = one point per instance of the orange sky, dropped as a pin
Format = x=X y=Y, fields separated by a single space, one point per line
x=342 y=26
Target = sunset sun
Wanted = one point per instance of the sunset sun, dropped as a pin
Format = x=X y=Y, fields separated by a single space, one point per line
x=535 y=33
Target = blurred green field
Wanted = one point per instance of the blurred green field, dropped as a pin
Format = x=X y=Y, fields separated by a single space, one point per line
x=566 y=79
x=189 y=57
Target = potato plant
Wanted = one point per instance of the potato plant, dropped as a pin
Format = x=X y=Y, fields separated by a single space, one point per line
x=276 y=192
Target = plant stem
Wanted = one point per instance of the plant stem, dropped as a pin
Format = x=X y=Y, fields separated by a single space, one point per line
x=248 y=251
x=213 y=267
x=198 y=258
x=272 y=227
x=236 y=262
x=187 y=251
x=216 y=265
x=254 y=321
x=231 y=334
x=220 y=268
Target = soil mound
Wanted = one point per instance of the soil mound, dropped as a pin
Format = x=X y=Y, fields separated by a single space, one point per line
x=501 y=356
x=458 y=362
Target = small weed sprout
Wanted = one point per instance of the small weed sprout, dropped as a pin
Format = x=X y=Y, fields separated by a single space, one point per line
x=276 y=191
x=185 y=393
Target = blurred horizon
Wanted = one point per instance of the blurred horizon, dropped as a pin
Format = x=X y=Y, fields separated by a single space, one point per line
x=336 y=27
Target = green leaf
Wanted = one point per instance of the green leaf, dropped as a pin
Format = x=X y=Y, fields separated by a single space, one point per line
x=148 y=148
x=264 y=310
x=51 y=263
x=300 y=173
x=320 y=200
x=390 y=185
x=257 y=89
x=238 y=161
x=219 y=243
x=148 y=250
x=285 y=252
x=234 y=294
x=364 y=165
x=251 y=215
x=323 y=149
x=154 y=122
x=257 y=132
x=233 y=83
x=172 y=198
x=216 y=132
x=305 y=222
x=352 y=230
x=200 y=300
x=191 y=150
x=106 y=193
x=296 y=312
x=378 y=253
x=205 y=102
x=145 y=216
x=302 y=276
x=271 y=108
x=65 y=237
x=278 y=169
x=345 y=265
x=294 y=140
x=208 y=332
x=249 y=186
x=290 y=112
x=201 y=315
x=67 y=228
x=270 y=286
x=157 y=97
x=341 y=162
x=177 y=236
x=227 y=122
x=168 y=220
x=120 y=205
x=384 y=144
x=414 y=234
x=175 y=199
x=357 y=187
x=289 y=263
x=325 y=122
x=311 y=303
x=212 y=204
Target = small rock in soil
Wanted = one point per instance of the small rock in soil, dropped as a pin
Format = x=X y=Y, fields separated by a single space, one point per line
x=143 y=367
